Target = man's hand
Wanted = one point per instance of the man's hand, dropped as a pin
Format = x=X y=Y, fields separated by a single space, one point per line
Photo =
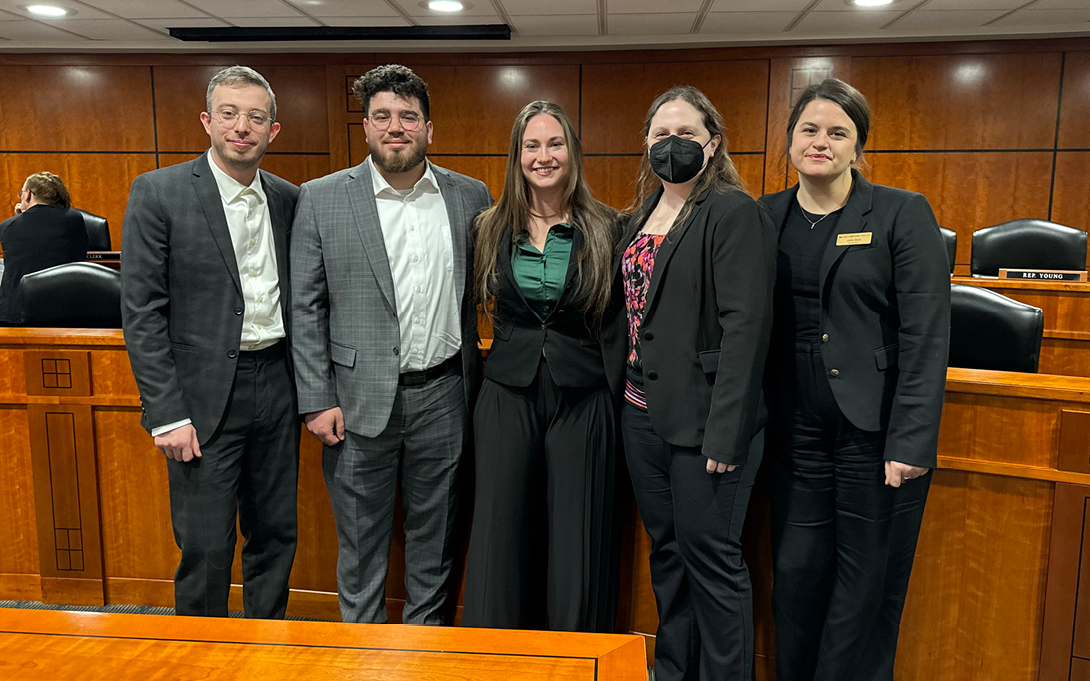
x=326 y=425
x=898 y=473
x=179 y=444
x=719 y=467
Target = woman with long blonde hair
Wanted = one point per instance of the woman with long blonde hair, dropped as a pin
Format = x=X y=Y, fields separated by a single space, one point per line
x=544 y=423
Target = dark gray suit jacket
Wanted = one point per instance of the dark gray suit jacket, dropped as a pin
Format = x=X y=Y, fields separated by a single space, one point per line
x=885 y=307
x=347 y=338
x=181 y=296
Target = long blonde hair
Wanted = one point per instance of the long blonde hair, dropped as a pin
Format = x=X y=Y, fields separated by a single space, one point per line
x=598 y=223
x=720 y=173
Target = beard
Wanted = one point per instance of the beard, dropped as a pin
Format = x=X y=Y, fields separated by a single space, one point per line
x=396 y=162
x=241 y=160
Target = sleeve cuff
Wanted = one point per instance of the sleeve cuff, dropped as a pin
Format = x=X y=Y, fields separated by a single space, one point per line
x=159 y=430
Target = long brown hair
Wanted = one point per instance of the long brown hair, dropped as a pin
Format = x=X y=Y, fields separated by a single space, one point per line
x=597 y=222
x=720 y=174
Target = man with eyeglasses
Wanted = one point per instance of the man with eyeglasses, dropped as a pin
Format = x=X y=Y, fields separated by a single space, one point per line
x=205 y=302
x=386 y=345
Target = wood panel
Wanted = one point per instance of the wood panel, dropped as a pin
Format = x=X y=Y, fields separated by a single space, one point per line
x=616 y=98
x=76 y=108
x=1066 y=305
x=294 y=168
x=1065 y=357
x=300 y=99
x=98 y=183
x=1006 y=101
x=1071 y=193
x=491 y=170
x=969 y=191
x=1067 y=562
x=1075 y=109
x=19 y=530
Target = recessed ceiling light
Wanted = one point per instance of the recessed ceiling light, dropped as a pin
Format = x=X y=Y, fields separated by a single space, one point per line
x=873 y=3
x=446 y=5
x=47 y=10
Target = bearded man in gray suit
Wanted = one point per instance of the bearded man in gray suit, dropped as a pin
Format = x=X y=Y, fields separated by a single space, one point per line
x=385 y=345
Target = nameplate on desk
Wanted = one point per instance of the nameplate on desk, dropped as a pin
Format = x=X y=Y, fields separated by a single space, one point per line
x=103 y=255
x=1044 y=275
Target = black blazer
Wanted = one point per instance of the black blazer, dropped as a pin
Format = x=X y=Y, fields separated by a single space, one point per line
x=706 y=324
x=885 y=311
x=181 y=296
x=574 y=352
x=40 y=237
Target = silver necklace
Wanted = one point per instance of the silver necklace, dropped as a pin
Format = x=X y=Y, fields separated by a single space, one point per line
x=813 y=223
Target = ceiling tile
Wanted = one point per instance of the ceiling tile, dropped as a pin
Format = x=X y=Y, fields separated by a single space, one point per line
x=1060 y=4
x=847 y=23
x=926 y=20
x=573 y=24
x=113 y=29
x=759 y=5
x=265 y=22
x=1046 y=17
x=82 y=11
x=650 y=24
x=459 y=20
x=974 y=4
x=247 y=8
x=32 y=31
x=652 y=6
x=518 y=8
x=187 y=22
x=728 y=23
x=145 y=9
x=346 y=8
x=476 y=8
x=368 y=21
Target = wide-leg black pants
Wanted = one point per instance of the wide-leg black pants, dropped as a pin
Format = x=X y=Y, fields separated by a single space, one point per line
x=842 y=540
x=543 y=550
x=249 y=468
x=701 y=582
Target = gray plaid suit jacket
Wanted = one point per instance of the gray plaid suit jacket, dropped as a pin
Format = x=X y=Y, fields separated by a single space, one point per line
x=346 y=338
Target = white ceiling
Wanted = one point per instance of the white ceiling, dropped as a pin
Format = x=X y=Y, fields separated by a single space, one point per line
x=117 y=25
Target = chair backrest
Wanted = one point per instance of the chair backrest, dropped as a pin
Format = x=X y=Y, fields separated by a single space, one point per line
x=1028 y=243
x=98 y=231
x=991 y=331
x=950 y=237
x=74 y=295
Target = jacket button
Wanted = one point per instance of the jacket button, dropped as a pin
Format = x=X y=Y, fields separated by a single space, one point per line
x=232 y=354
x=824 y=338
x=834 y=373
x=238 y=310
x=397 y=351
x=652 y=375
x=542 y=327
x=647 y=335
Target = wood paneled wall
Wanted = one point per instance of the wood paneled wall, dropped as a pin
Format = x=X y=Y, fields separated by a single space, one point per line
x=988 y=131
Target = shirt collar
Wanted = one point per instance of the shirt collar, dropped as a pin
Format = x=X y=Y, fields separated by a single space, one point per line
x=230 y=188
x=427 y=183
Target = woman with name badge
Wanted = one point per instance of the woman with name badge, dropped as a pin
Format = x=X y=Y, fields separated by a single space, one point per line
x=543 y=550
x=856 y=377
x=698 y=267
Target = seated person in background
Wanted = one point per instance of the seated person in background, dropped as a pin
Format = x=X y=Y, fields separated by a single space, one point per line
x=42 y=234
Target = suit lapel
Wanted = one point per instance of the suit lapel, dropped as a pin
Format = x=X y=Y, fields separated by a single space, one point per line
x=361 y=194
x=668 y=246
x=852 y=221
x=460 y=220
x=779 y=205
x=503 y=261
x=208 y=192
x=280 y=228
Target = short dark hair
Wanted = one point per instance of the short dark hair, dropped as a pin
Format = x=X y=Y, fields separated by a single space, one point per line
x=49 y=189
x=843 y=95
x=240 y=75
x=394 y=78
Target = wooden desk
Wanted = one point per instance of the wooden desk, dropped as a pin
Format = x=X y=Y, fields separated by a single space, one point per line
x=40 y=645
x=1065 y=348
x=85 y=512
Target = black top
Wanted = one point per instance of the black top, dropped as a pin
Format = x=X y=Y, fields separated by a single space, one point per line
x=798 y=273
x=41 y=237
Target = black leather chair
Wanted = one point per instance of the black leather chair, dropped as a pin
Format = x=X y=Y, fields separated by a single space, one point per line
x=950 y=238
x=98 y=232
x=991 y=331
x=1028 y=243
x=74 y=295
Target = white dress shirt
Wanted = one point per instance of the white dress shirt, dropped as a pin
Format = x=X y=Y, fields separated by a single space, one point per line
x=248 y=221
x=416 y=231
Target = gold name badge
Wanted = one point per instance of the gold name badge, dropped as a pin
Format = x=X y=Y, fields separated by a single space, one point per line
x=856 y=239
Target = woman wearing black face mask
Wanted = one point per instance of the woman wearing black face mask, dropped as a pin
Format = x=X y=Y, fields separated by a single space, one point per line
x=698 y=268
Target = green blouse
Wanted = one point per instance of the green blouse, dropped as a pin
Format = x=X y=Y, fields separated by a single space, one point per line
x=541 y=274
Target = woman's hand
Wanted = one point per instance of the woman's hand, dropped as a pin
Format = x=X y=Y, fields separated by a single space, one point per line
x=897 y=472
x=719 y=467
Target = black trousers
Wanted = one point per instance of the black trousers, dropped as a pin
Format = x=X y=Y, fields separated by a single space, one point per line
x=701 y=582
x=842 y=540
x=250 y=466
x=544 y=522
